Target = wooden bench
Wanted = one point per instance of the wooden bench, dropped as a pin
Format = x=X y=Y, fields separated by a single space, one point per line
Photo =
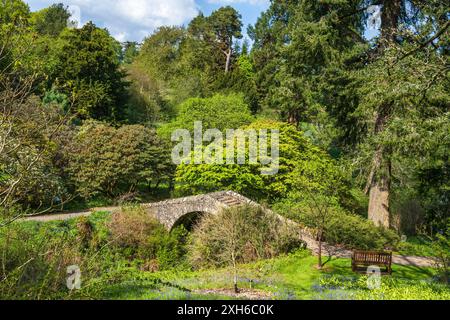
x=363 y=259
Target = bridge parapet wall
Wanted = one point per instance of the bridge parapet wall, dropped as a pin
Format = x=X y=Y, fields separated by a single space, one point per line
x=170 y=211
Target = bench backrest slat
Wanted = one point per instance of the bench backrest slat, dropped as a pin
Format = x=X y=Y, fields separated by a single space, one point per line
x=372 y=257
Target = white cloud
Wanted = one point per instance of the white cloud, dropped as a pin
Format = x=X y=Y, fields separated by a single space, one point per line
x=130 y=19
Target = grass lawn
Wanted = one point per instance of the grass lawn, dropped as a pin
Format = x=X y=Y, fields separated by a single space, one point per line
x=290 y=277
x=417 y=246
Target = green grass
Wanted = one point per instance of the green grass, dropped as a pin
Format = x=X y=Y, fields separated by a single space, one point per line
x=289 y=277
x=294 y=276
x=416 y=246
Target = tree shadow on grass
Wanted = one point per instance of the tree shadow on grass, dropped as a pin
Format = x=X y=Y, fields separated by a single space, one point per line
x=412 y=272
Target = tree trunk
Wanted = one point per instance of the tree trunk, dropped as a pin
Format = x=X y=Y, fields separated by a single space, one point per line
x=390 y=16
x=378 y=183
x=378 y=187
x=319 y=265
x=294 y=118
x=228 y=61
x=235 y=277
x=236 y=289
x=379 y=202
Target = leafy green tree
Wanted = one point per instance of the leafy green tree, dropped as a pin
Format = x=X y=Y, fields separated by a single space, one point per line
x=398 y=87
x=226 y=25
x=14 y=12
x=52 y=20
x=23 y=50
x=216 y=34
x=146 y=103
x=29 y=180
x=191 y=62
x=297 y=45
x=109 y=161
x=160 y=52
x=208 y=52
x=220 y=112
x=298 y=158
x=241 y=79
x=314 y=65
x=130 y=51
x=163 y=61
x=89 y=71
x=14 y=24
x=269 y=35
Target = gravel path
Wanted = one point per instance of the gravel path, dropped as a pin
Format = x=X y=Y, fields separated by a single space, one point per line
x=68 y=216
x=344 y=253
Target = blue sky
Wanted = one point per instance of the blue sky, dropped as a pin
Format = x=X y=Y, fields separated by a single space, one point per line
x=133 y=20
x=136 y=19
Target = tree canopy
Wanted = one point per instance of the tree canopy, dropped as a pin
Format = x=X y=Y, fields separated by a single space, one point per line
x=89 y=71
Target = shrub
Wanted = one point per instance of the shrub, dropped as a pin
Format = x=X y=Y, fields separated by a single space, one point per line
x=28 y=175
x=34 y=260
x=341 y=227
x=34 y=256
x=240 y=235
x=131 y=227
x=85 y=230
x=140 y=236
x=417 y=246
x=110 y=161
x=441 y=247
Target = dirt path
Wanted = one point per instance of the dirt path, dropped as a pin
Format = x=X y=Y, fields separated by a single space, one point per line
x=311 y=243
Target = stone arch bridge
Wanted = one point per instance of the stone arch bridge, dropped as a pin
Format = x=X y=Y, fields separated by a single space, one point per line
x=173 y=212
x=169 y=212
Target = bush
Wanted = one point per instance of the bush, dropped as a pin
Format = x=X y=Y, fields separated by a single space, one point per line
x=34 y=260
x=341 y=227
x=240 y=235
x=140 y=236
x=417 y=246
x=28 y=174
x=110 y=161
x=298 y=158
x=34 y=256
x=131 y=227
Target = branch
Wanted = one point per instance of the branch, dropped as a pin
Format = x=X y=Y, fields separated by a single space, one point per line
x=424 y=44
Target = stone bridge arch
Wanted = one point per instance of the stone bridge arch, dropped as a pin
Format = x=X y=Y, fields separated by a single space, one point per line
x=170 y=212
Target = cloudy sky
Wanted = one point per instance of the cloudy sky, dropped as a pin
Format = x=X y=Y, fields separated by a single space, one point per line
x=136 y=19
